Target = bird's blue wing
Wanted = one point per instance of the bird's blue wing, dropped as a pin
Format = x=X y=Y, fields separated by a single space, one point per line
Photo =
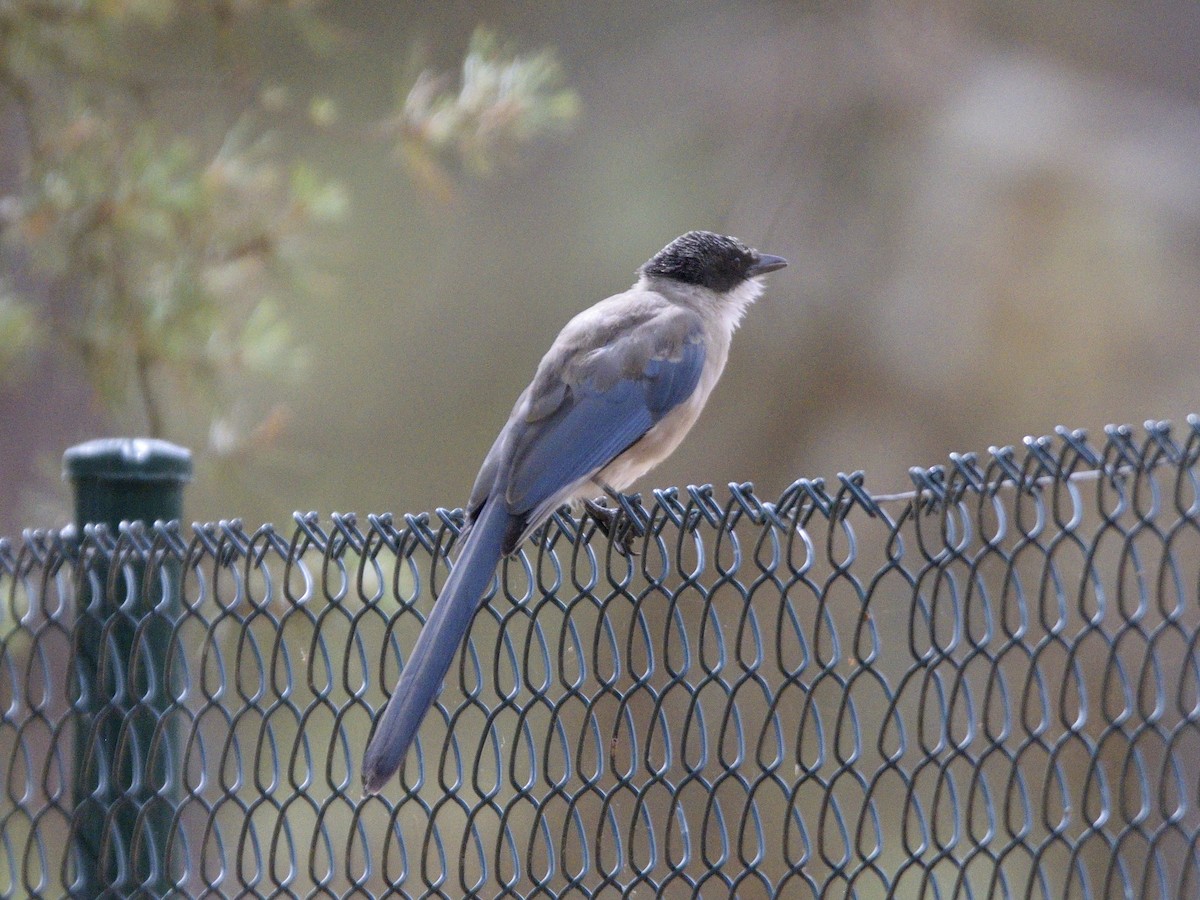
x=599 y=417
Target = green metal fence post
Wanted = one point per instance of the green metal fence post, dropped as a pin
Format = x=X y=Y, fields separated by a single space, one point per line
x=126 y=778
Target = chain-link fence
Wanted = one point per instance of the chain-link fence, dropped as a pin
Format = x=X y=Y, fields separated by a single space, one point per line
x=987 y=688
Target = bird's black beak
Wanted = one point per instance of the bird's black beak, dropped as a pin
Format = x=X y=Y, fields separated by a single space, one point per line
x=765 y=263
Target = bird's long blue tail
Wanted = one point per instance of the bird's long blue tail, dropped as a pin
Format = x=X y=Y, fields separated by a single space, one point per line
x=439 y=639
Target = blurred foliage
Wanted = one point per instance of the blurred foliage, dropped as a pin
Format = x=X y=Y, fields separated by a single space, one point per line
x=178 y=261
x=503 y=102
x=170 y=263
x=20 y=332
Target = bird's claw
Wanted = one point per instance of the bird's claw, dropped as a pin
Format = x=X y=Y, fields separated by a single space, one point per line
x=616 y=526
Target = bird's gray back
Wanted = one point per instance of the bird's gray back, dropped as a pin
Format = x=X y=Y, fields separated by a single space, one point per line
x=613 y=372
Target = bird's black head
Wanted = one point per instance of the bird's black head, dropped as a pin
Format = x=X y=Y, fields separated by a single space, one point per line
x=709 y=260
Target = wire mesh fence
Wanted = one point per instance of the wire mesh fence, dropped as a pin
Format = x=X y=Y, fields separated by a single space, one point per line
x=989 y=687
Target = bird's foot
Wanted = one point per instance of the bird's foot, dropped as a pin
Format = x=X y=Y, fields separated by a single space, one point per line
x=616 y=526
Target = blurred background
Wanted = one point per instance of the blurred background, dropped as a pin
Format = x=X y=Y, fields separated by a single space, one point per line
x=324 y=245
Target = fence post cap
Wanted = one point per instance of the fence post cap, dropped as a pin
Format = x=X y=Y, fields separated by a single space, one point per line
x=128 y=459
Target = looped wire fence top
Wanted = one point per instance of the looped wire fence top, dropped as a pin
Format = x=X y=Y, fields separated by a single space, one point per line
x=989 y=687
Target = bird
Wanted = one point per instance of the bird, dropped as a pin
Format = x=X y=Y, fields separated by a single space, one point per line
x=616 y=393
